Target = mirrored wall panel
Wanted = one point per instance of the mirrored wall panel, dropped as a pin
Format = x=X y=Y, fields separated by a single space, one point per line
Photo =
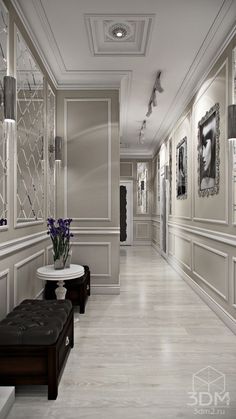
x=233 y=145
x=51 y=151
x=142 y=188
x=3 y=126
x=30 y=135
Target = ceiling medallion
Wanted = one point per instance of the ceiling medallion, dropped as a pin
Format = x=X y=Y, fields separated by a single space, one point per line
x=119 y=31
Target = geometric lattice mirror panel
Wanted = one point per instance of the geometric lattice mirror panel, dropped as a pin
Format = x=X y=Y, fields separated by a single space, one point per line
x=51 y=151
x=3 y=126
x=30 y=135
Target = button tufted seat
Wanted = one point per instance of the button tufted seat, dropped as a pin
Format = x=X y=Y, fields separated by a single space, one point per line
x=35 y=340
x=34 y=322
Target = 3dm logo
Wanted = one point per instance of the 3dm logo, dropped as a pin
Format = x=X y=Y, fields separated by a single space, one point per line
x=208 y=394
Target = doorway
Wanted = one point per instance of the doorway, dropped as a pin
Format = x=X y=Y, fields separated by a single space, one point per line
x=126 y=213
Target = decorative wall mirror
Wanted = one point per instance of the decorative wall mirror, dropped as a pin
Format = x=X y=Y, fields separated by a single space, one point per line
x=142 y=188
x=3 y=125
x=181 y=169
x=30 y=136
x=51 y=151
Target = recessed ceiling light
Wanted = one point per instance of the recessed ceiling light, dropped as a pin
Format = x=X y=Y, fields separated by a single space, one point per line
x=119 y=31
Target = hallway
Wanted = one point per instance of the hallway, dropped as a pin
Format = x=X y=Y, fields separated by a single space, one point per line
x=135 y=353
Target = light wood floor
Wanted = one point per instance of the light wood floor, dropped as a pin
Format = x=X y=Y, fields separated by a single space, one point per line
x=135 y=353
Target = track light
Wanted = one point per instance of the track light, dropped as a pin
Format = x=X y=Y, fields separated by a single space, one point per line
x=157 y=85
x=149 y=110
x=142 y=132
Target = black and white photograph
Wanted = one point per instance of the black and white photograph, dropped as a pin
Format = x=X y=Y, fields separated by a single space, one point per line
x=181 y=169
x=208 y=152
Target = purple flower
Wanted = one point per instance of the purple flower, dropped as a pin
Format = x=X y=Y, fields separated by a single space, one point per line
x=59 y=232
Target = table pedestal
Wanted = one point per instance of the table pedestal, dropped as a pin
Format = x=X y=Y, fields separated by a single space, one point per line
x=60 y=291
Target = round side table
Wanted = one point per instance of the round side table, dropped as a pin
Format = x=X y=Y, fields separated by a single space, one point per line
x=48 y=273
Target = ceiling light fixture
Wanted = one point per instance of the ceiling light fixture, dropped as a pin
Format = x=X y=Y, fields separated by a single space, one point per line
x=119 y=31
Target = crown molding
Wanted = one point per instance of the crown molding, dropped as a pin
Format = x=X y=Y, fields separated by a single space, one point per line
x=181 y=98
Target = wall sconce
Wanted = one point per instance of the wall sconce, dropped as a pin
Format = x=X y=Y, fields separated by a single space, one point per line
x=9 y=89
x=166 y=172
x=58 y=148
x=231 y=122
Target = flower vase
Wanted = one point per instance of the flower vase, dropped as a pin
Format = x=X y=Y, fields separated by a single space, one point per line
x=68 y=259
x=59 y=262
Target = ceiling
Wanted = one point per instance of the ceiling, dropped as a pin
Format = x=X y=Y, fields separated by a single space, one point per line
x=178 y=37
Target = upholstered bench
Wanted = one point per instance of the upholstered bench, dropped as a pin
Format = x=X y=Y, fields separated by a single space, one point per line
x=78 y=289
x=35 y=340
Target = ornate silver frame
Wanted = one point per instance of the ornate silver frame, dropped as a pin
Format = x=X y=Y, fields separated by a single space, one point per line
x=180 y=143
x=215 y=189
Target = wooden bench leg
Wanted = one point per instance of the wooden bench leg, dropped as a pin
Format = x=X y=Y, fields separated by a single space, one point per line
x=52 y=373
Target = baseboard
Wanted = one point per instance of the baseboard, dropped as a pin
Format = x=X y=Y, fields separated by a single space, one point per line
x=105 y=289
x=7 y=398
x=220 y=311
x=156 y=247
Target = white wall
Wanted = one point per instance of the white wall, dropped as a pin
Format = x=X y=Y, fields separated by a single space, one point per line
x=201 y=231
x=89 y=187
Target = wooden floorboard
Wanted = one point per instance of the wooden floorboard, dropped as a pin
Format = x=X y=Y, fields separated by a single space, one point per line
x=135 y=353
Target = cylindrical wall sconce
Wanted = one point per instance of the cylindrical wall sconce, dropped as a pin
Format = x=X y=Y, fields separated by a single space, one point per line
x=58 y=148
x=231 y=122
x=166 y=172
x=9 y=86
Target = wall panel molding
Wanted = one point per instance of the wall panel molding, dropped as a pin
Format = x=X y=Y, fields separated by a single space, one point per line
x=209 y=234
x=6 y=274
x=217 y=308
x=223 y=135
x=104 y=244
x=108 y=100
x=16 y=245
x=233 y=281
x=96 y=230
x=19 y=265
x=187 y=240
x=198 y=275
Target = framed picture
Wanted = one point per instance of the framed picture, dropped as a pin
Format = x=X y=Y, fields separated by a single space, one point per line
x=208 y=152
x=181 y=169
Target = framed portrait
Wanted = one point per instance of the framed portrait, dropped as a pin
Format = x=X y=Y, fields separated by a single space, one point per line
x=181 y=169
x=208 y=152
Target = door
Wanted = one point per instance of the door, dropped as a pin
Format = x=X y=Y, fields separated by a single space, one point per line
x=126 y=212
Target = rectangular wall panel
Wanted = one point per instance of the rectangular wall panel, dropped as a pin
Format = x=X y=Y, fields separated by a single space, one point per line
x=126 y=169
x=211 y=266
x=97 y=255
x=88 y=182
x=183 y=251
x=142 y=230
x=26 y=285
x=4 y=293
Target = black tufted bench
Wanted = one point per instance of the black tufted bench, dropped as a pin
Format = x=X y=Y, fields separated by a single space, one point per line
x=35 y=340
